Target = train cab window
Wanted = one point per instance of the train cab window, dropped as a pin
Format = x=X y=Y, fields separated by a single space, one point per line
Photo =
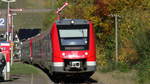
x=74 y=38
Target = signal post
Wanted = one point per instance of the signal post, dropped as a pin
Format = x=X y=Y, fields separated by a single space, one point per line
x=11 y=29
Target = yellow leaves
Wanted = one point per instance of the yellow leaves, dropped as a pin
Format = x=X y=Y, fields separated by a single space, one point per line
x=89 y=12
x=122 y=58
x=95 y=20
x=106 y=26
x=90 y=9
x=109 y=1
x=89 y=15
x=102 y=63
x=128 y=53
x=101 y=58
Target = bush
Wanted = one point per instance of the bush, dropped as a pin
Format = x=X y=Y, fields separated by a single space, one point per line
x=123 y=67
x=142 y=46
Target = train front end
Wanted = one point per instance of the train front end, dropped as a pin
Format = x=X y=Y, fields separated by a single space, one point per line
x=73 y=45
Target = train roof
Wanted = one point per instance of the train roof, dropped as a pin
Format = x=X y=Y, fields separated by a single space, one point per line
x=72 y=21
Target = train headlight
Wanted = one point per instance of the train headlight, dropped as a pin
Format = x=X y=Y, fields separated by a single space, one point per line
x=86 y=53
x=72 y=22
x=63 y=54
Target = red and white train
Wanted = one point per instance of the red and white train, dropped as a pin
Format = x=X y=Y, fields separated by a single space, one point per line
x=67 y=48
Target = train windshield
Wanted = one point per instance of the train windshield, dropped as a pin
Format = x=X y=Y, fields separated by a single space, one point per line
x=73 y=38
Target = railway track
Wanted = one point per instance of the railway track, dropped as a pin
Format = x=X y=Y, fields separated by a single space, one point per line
x=78 y=81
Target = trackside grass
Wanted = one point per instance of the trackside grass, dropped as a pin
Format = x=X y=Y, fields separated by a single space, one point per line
x=21 y=69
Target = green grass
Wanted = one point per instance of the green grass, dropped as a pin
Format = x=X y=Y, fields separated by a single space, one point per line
x=25 y=69
x=29 y=20
x=31 y=4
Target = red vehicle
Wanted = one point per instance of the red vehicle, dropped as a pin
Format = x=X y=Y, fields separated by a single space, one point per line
x=5 y=47
x=67 y=48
